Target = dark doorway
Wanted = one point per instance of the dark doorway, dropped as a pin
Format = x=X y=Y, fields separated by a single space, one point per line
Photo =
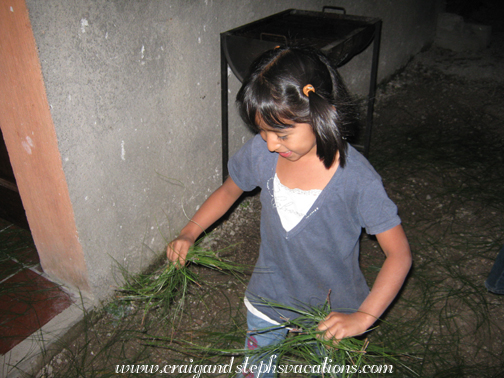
x=11 y=207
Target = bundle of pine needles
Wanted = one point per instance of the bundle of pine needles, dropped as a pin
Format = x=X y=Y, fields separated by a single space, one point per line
x=169 y=284
x=303 y=351
x=306 y=346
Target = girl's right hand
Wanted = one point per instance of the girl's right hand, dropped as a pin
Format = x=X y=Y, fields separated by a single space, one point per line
x=214 y=207
x=178 y=248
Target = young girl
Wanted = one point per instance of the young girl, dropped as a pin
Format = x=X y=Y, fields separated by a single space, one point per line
x=317 y=194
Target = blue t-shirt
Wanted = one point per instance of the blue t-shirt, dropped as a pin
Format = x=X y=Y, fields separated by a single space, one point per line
x=321 y=253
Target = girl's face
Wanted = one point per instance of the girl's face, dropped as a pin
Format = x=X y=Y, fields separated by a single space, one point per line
x=292 y=143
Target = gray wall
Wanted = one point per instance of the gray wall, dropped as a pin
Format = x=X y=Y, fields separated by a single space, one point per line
x=134 y=90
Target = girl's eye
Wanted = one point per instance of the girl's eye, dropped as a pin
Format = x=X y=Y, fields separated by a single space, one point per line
x=282 y=137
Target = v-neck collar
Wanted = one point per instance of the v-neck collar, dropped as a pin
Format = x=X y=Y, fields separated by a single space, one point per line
x=313 y=209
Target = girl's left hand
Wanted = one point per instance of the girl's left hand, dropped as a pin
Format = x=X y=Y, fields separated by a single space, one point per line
x=386 y=286
x=339 y=326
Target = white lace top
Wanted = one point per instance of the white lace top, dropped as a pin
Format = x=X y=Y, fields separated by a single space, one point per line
x=292 y=204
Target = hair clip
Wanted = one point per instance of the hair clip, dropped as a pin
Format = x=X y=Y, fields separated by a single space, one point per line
x=307 y=89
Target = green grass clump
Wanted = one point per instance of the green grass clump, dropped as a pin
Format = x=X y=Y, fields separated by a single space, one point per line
x=169 y=284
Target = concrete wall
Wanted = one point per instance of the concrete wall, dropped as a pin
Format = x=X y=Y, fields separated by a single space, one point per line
x=134 y=92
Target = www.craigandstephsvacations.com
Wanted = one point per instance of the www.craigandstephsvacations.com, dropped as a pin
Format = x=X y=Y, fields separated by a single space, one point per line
x=258 y=369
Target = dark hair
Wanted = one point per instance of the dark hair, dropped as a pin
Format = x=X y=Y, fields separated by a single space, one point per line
x=273 y=91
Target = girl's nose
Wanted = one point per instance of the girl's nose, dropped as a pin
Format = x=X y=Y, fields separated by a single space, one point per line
x=272 y=142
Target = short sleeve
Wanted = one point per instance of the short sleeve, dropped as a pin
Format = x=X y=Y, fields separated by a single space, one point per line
x=243 y=166
x=377 y=212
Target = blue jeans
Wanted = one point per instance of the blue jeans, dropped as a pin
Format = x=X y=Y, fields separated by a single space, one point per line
x=261 y=366
x=495 y=280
